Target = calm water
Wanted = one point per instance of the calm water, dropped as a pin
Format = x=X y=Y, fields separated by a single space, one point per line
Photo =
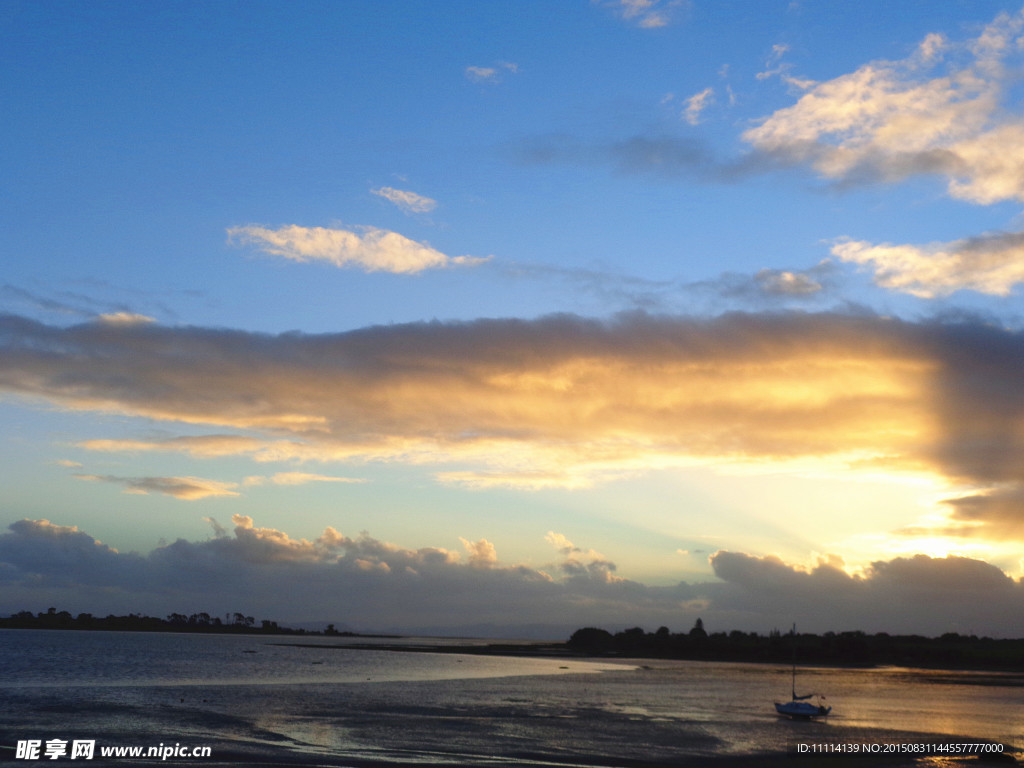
x=256 y=702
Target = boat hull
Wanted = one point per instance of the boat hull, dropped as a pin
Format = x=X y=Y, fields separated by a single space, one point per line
x=803 y=710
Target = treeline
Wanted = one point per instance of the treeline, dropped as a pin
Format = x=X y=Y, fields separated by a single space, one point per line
x=236 y=623
x=950 y=651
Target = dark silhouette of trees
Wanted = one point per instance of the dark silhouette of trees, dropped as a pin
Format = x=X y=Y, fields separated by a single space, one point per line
x=853 y=648
x=591 y=640
x=175 y=622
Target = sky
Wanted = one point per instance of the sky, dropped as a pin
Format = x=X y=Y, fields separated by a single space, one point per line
x=453 y=319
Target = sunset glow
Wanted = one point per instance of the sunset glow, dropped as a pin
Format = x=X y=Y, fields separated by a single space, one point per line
x=595 y=313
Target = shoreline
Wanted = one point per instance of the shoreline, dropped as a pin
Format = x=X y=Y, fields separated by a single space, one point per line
x=563 y=651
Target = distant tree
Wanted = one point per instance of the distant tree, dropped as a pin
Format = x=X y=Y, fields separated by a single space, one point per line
x=591 y=640
x=698 y=629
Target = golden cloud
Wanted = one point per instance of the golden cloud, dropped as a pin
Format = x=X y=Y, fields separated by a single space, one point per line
x=559 y=401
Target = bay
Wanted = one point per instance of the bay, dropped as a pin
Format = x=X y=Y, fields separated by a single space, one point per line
x=258 y=700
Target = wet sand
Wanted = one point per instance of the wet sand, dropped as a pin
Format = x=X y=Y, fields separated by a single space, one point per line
x=553 y=721
x=391 y=726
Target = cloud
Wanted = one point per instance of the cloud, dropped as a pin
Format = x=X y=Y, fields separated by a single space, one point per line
x=561 y=543
x=994 y=512
x=560 y=401
x=20 y=295
x=124 y=318
x=917 y=594
x=410 y=202
x=200 y=446
x=298 y=478
x=786 y=283
x=88 y=307
x=773 y=64
x=646 y=14
x=696 y=104
x=482 y=553
x=186 y=488
x=662 y=156
x=590 y=564
x=767 y=288
x=939 y=111
x=946 y=110
x=39 y=556
x=481 y=74
x=490 y=74
x=371 y=584
x=991 y=264
x=375 y=250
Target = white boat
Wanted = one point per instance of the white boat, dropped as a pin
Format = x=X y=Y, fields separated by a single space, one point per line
x=805 y=707
x=801 y=709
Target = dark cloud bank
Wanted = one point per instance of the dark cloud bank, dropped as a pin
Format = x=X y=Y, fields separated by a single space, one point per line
x=368 y=584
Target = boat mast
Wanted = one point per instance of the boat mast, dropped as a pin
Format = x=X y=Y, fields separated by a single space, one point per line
x=794 y=661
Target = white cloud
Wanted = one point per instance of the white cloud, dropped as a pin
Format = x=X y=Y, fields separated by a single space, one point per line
x=375 y=250
x=646 y=14
x=991 y=264
x=481 y=74
x=490 y=74
x=773 y=64
x=409 y=202
x=892 y=119
x=696 y=104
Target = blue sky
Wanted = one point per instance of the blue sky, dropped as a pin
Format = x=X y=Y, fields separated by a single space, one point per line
x=459 y=316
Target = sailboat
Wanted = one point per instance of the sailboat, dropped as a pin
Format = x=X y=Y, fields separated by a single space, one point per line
x=804 y=707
